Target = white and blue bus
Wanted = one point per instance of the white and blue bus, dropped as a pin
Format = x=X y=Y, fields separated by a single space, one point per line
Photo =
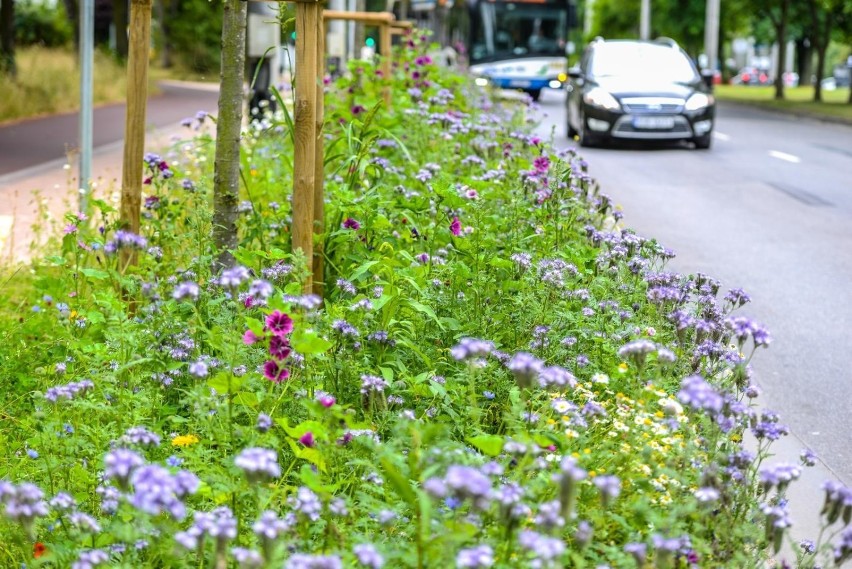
x=520 y=44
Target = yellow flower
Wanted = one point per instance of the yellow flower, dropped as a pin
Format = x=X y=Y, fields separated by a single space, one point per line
x=622 y=367
x=184 y=440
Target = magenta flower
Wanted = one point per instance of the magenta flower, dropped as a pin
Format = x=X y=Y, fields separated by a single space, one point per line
x=249 y=338
x=350 y=223
x=541 y=164
x=279 y=347
x=279 y=323
x=273 y=372
x=307 y=439
x=455 y=227
x=326 y=401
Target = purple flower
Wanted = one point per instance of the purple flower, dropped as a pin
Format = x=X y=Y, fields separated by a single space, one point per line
x=544 y=549
x=700 y=395
x=247 y=558
x=525 y=367
x=469 y=348
x=68 y=391
x=84 y=522
x=264 y=422
x=555 y=376
x=350 y=223
x=261 y=289
x=279 y=347
x=706 y=495
x=157 y=491
x=475 y=557
x=368 y=556
x=233 y=277
x=61 y=502
x=308 y=439
x=639 y=551
x=274 y=372
x=269 y=526
x=120 y=464
x=468 y=482
x=141 y=436
x=198 y=369
x=346 y=287
x=808 y=457
x=279 y=323
x=779 y=475
x=609 y=486
x=90 y=558
x=306 y=503
x=305 y=561
x=259 y=464
x=455 y=227
x=372 y=384
x=24 y=503
x=549 y=516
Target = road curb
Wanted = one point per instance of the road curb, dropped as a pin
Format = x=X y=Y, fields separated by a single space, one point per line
x=796 y=114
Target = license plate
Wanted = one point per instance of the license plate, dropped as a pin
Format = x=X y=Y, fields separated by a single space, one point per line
x=656 y=123
x=519 y=83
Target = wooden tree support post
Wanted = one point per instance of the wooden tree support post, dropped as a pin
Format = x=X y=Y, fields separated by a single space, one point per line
x=134 y=131
x=319 y=160
x=305 y=111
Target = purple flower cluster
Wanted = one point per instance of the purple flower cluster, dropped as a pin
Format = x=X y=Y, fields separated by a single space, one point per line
x=778 y=476
x=156 y=490
x=125 y=240
x=186 y=290
x=470 y=348
x=742 y=328
x=69 y=390
x=24 y=503
x=120 y=463
x=368 y=556
x=544 y=550
x=140 y=436
x=306 y=503
x=269 y=526
x=462 y=482
x=259 y=464
x=838 y=502
x=700 y=395
x=305 y=561
x=220 y=524
x=372 y=384
x=90 y=558
x=478 y=557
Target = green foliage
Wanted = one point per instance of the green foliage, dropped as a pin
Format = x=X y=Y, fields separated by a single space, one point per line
x=38 y=23
x=195 y=32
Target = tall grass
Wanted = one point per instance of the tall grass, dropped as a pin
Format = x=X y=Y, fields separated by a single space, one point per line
x=48 y=82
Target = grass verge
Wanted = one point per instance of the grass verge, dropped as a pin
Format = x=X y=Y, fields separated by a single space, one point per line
x=799 y=100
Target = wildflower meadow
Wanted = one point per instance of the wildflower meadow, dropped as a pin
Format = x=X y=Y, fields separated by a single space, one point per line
x=497 y=374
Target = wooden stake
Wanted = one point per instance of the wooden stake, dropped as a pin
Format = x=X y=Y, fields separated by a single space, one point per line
x=385 y=39
x=319 y=173
x=134 y=130
x=305 y=111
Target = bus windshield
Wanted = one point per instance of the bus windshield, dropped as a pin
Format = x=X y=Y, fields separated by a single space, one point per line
x=511 y=30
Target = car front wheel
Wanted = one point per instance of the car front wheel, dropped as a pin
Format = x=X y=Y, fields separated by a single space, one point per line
x=587 y=139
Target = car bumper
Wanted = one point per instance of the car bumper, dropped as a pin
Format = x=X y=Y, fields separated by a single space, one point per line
x=649 y=126
x=527 y=84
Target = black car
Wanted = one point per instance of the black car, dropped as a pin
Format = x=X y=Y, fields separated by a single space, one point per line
x=639 y=90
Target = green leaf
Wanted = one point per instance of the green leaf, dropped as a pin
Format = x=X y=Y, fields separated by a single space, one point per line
x=246 y=398
x=427 y=310
x=95 y=274
x=318 y=429
x=399 y=482
x=255 y=326
x=309 y=342
x=487 y=444
x=224 y=382
x=312 y=455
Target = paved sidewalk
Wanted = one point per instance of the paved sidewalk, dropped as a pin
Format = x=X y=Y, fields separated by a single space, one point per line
x=39 y=166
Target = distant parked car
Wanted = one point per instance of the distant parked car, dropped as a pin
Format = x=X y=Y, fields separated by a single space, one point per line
x=752 y=76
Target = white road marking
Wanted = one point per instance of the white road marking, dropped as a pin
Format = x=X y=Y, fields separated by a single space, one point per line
x=784 y=156
x=721 y=135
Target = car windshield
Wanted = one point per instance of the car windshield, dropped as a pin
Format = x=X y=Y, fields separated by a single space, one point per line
x=642 y=61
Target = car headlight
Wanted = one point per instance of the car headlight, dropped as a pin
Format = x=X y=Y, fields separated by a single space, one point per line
x=481 y=81
x=698 y=101
x=597 y=97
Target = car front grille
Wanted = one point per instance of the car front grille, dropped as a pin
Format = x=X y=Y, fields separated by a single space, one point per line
x=642 y=105
x=624 y=128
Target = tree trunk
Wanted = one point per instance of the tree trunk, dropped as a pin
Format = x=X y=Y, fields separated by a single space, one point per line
x=7 y=37
x=120 y=21
x=781 y=38
x=72 y=10
x=226 y=177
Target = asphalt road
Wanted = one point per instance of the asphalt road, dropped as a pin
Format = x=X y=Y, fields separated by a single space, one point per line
x=768 y=209
x=33 y=142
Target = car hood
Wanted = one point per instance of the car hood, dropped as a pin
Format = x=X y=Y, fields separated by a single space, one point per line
x=632 y=87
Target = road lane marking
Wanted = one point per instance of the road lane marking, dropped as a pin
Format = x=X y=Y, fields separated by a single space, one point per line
x=784 y=156
x=720 y=135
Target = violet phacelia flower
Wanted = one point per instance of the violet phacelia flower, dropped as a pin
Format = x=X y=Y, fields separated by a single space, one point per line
x=259 y=464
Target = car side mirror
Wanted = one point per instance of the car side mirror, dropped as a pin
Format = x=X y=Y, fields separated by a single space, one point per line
x=707 y=75
x=575 y=72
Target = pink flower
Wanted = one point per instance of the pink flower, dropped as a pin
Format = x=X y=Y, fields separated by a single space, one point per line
x=350 y=223
x=249 y=338
x=279 y=323
x=326 y=401
x=307 y=439
x=279 y=347
x=541 y=164
x=455 y=227
x=273 y=372
x=248 y=302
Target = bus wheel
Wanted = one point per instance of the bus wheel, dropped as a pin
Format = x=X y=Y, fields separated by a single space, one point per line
x=535 y=94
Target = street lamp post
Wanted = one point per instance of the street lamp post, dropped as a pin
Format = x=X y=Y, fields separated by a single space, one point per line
x=711 y=34
x=87 y=47
x=645 y=20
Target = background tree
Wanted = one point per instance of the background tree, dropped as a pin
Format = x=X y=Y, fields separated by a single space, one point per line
x=7 y=37
x=226 y=176
x=120 y=21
